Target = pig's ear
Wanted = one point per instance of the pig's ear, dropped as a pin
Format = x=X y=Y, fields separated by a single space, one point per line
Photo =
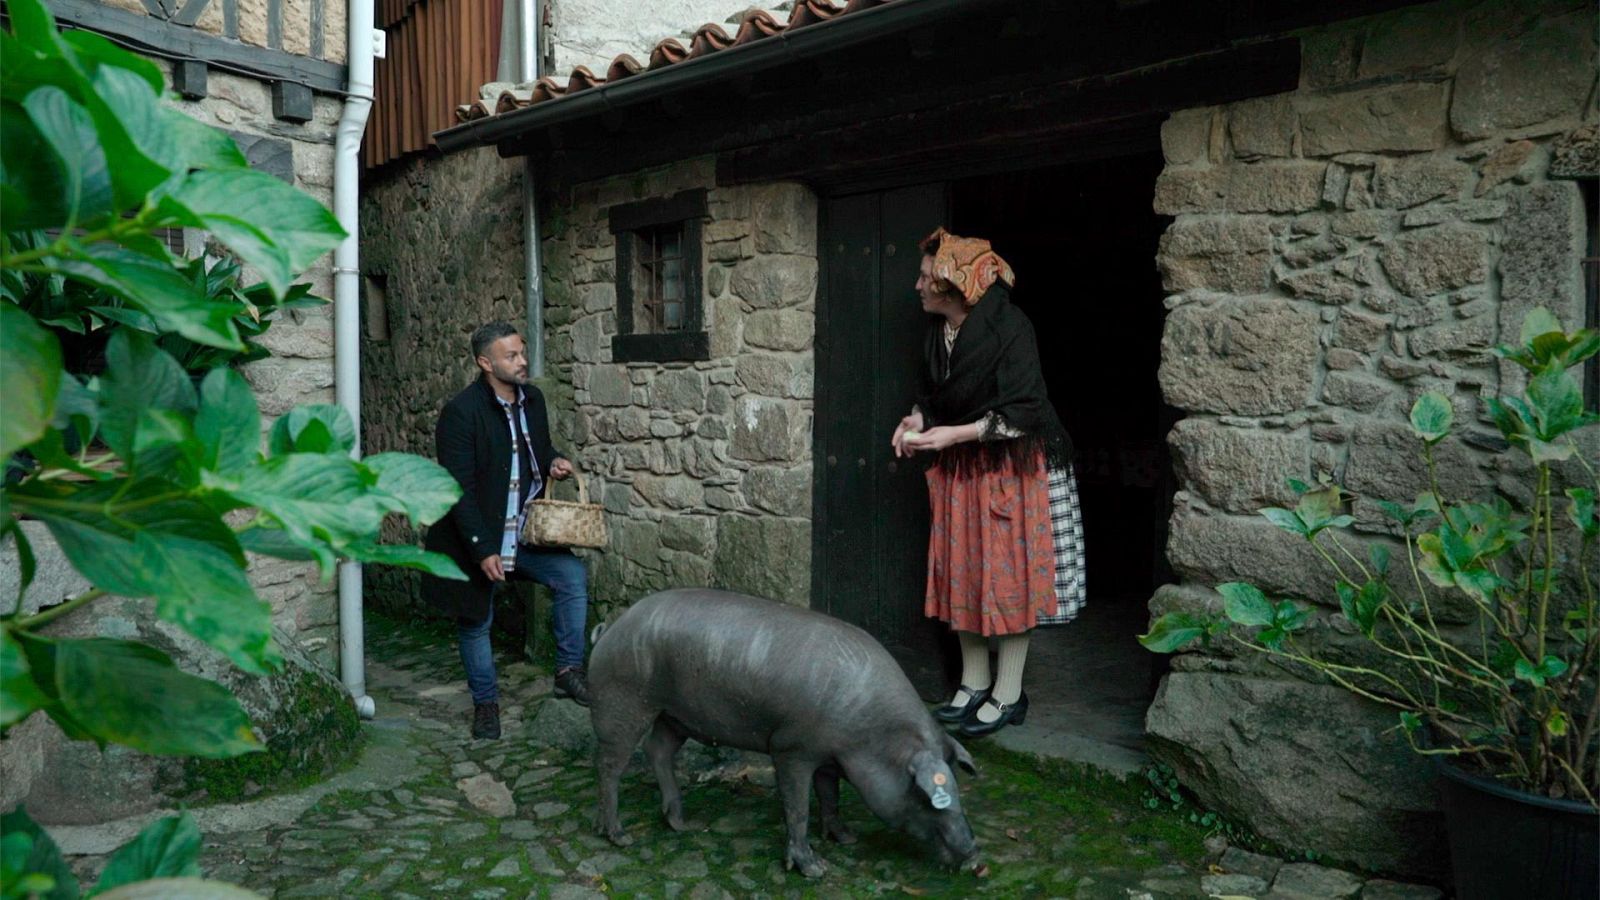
x=934 y=779
x=958 y=754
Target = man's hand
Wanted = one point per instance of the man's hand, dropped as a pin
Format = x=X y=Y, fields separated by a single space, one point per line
x=560 y=468
x=492 y=568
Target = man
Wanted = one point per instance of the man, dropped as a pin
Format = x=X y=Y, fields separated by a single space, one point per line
x=494 y=437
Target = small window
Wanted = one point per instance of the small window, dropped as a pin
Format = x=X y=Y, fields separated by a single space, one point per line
x=660 y=301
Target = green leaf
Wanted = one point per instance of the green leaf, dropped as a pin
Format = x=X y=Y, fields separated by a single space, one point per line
x=34 y=27
x=30 y=379
x=1410 y=721
x=27 y=565
x=228 y=425
x=1244 y=604
x=283 y=231
x=1583 y=512
x=315 y=497
x=69 y=130
x=1537 y=675
x=1172 y=632
x=207 y=593
x=275 y=542
x=420 y=487
x=1298 y=486
x=154 y=286
x=93 y=51
x=166 y=848
x=15 y=879
x=1478 y=582
x=1549 y=453
x=1556 y=723
x=96 y=525
x=43 y=857
x=1537 y=322
x=128 y=693
x=139 y=376
x=290 y=432
x=1368 y=601
x=408 y=556
x=19 y=696
x=1431 y=417
x=1556 y=400
x=1378 y=555
x=1285 y=519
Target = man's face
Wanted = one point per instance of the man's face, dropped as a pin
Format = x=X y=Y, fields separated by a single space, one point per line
x=506 y=360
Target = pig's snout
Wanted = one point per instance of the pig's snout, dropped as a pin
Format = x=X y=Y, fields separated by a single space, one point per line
x=958 y=848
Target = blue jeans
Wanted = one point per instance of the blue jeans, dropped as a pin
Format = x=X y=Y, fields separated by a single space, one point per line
x=568 y=581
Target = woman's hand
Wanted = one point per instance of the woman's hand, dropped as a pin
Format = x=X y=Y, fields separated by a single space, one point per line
x=940 y=437
x=560 y=468
x=910 y=425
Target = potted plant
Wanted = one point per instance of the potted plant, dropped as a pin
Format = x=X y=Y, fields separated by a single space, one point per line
x=1502 y=691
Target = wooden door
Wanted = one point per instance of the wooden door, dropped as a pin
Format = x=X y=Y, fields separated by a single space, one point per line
x=870 y=562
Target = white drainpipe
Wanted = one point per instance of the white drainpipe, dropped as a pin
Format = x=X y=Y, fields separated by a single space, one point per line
x=533 y=278
x=347 y=319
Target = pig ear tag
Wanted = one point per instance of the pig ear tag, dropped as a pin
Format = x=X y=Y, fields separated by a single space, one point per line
x=940 y=797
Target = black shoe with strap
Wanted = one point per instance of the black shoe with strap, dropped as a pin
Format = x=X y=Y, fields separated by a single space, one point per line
x=952 y=714
x=486 y=721
x=1010 y=714
x=572 y=684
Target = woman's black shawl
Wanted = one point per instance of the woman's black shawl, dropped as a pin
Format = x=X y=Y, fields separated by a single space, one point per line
x=993 y=367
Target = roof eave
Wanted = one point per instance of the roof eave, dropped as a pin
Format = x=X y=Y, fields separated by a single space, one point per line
x=784 y=47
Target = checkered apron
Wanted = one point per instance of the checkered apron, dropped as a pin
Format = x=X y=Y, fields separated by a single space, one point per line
x=1066 y=527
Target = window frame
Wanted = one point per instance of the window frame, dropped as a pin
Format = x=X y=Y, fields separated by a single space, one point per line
x=688 y=210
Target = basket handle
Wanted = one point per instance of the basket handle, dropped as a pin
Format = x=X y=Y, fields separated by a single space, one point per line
x=583 y=487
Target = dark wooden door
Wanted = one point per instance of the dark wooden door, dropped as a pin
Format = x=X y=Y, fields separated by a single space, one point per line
x=870 y=564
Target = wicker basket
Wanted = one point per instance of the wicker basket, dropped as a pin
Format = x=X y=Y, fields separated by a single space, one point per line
x=563 y=523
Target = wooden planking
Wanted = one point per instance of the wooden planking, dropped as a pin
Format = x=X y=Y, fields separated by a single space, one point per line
x=148 y=31
x=440 y=53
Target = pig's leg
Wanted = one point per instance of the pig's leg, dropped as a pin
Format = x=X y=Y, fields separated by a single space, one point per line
x=794 y=786
x=661 y=747
x=618 y=729
x=826 y=781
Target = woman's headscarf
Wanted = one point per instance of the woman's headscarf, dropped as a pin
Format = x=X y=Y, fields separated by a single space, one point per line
x=969 y=265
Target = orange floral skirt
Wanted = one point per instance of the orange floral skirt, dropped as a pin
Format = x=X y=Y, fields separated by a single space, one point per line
x=991 y=555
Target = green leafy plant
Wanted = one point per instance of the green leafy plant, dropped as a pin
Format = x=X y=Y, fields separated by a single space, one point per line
x=154 y=483
x=1512 y=693
x=84 y=316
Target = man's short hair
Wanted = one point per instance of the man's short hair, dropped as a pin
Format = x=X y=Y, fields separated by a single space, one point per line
x=488 y=334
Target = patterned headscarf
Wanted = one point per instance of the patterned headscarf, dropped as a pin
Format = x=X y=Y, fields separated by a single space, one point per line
x=967 y=264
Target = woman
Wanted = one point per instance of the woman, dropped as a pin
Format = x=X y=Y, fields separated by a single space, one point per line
x=1005 y=552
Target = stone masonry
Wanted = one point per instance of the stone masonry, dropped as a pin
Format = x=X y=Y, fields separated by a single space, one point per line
x=703 y=467
x=1334 y=253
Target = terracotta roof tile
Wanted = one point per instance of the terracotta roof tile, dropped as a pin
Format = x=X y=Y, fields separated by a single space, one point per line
x=666 y=53
x=709 y=39
x=754 y=25
x=623 y=66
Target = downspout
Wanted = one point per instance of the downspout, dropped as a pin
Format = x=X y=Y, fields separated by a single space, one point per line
x=347 y=319
x=532 y=270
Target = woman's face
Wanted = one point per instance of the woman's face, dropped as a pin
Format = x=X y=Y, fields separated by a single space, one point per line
x=934 y=301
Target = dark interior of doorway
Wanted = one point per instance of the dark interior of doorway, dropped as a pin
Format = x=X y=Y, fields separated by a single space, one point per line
x=1082 y=240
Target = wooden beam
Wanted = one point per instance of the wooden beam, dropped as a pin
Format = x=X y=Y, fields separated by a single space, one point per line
x=176 y=41
x=1004 y=124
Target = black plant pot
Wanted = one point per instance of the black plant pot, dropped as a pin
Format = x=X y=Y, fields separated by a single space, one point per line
x=1506 y=843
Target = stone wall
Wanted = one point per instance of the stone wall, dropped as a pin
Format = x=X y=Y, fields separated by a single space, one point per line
x=704 y=468
x=300 y=369
x=1335 y=252
x=441 y=249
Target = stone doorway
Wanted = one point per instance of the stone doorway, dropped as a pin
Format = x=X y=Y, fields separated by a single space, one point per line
x=1082 y=239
